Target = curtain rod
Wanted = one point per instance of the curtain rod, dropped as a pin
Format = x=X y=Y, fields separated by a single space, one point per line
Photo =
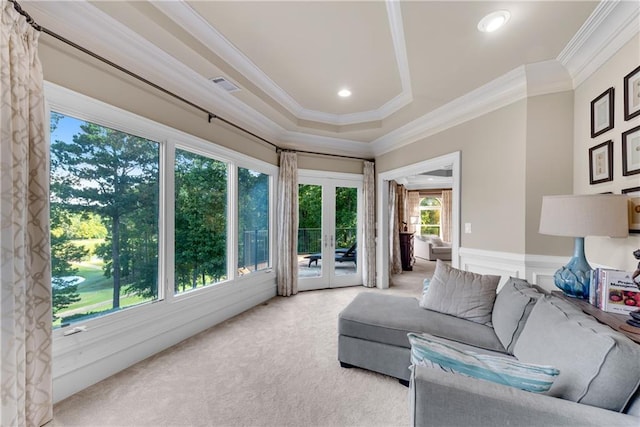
x=209 y=114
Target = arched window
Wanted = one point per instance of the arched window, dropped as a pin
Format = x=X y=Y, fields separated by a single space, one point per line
x=430 y=208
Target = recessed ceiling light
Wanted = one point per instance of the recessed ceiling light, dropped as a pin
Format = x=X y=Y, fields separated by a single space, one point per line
x=493 y=21
x=344 y=93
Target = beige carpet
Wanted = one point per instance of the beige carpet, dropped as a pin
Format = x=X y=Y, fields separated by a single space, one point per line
x=274 y=365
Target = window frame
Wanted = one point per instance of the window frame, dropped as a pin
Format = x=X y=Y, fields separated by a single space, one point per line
x=82 y=107
x=430 y=208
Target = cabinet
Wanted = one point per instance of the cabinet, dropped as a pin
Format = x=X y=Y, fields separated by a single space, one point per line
x=406 y=251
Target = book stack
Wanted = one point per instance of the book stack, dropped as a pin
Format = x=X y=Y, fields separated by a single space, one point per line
x=614 y=291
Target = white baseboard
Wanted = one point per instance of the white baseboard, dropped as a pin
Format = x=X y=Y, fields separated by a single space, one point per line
x=537 y=269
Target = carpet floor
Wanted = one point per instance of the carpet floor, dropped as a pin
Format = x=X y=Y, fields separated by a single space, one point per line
x=273 y=365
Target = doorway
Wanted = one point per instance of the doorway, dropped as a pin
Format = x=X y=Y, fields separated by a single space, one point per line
x=382 y=188
x=329 y=231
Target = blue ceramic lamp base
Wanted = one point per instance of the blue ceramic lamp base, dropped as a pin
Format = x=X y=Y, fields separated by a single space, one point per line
x=575 y=277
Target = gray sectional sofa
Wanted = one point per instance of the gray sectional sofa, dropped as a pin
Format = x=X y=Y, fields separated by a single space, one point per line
x=599 y=377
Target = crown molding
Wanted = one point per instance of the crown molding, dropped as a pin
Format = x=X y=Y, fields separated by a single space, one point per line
x=303 y=141
x=610 y=26
x=98 y=32
x=496 y=94
x=187 y=18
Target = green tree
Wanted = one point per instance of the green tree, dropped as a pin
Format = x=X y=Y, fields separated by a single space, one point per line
x=65 y=291
x=109 y=173
x=200 y=220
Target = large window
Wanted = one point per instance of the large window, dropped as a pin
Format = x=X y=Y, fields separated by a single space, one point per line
x=200 y=221
x=253 y=221
x=104 y=219
x=430 y=209
x=135 y=219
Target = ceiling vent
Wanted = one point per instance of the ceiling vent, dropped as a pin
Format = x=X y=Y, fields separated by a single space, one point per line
x=225 y=84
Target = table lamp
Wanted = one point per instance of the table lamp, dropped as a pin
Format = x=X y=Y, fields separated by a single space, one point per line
x=579 y=216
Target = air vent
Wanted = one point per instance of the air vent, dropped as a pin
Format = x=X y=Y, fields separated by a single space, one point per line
x=225 y=84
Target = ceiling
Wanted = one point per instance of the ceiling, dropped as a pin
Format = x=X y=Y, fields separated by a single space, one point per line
x=405 y=62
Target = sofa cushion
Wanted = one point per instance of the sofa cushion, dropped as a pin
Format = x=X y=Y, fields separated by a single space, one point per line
x=461 y=293
x=512 y=307
x=598 y=366
x=432 y=353
x=389 y=318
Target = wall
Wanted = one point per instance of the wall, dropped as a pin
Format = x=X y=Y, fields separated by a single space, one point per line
x=616 y=253
x=492 y=174
x=549 y=165
x=511 y=157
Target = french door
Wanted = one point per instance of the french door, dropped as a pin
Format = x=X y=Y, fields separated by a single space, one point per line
x=329 y=231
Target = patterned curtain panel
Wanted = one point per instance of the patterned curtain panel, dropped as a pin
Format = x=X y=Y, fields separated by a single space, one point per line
x=287 y=266
x=369 y=203
x=395 y=263
x=445 y=217
x=25 y=297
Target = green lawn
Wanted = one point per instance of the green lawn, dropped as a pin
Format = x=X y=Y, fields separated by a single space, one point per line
x=96 y=292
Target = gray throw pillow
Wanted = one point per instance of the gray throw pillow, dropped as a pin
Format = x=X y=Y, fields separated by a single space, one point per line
x=460 y=293
x=514 y=303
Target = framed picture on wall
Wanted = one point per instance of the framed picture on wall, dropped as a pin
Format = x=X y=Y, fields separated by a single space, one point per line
x=632 y=94
x=601 y=163
x=602 y=113
x=631 y=151
x=634 y=208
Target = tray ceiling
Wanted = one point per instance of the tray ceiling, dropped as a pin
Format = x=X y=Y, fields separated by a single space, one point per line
x=402 y=60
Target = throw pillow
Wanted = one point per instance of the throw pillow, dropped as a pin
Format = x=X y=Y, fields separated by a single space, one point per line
x=512 y=307
x=428 y=352
x=461 y=293
x=425 y=285
x=436 y=240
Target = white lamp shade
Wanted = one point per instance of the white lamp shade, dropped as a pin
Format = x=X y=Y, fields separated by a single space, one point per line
x=585 y=215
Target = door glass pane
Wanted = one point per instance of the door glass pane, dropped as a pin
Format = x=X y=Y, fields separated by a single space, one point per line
x=309 y=230
x=200 y=221
x=346 y=230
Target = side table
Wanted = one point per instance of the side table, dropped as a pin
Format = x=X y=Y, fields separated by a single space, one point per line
x=613 y=320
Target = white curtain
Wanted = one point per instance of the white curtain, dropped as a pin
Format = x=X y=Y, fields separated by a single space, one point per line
x=25 y=298
x=445 y=215
x=287 y=267
x=369 y=203
x=395 y=263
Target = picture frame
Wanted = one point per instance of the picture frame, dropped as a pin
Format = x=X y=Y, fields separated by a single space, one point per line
x=632 y=94
x=634 y=208
x=631 y=151
x=601 y=163
x=602 y=113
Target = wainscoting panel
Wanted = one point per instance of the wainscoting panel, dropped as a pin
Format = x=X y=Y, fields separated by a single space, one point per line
x=537 y=269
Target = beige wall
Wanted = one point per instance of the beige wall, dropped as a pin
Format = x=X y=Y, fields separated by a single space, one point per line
x=616 y=253
x=549 y=167
x=492 y=175
x=330 y=164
